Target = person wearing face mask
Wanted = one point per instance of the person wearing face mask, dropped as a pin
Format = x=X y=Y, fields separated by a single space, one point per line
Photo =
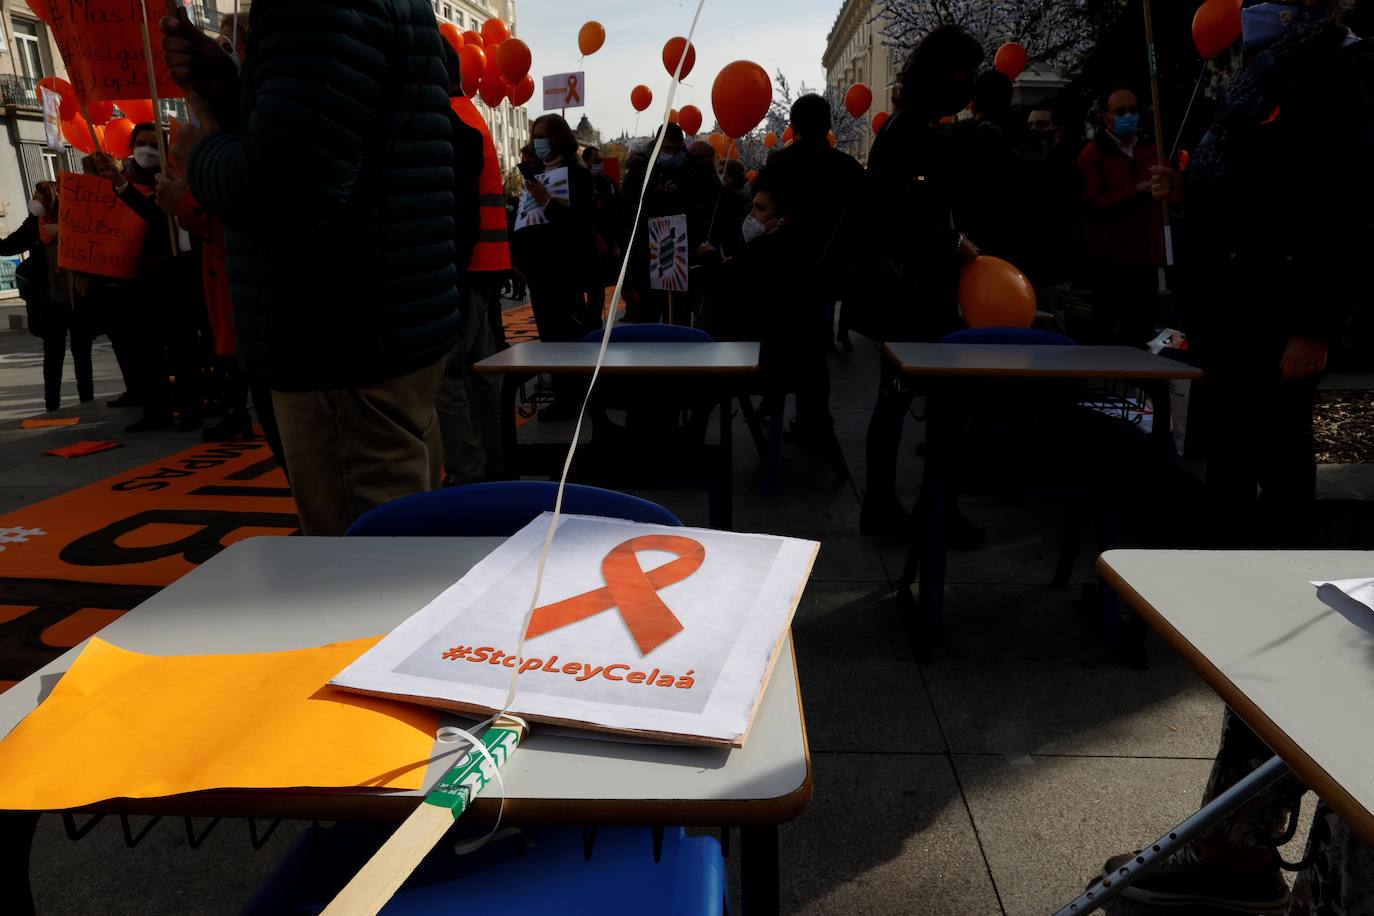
x=163 y=310
x=667 y=184
x=608 y=220
x=1124 y=235
x=47 y=294
x=1277 y=200
x=902 y=225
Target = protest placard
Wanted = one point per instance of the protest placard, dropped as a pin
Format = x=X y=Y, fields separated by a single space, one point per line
x=529 y=212
x=564 y=90
x=101 y=42
x=97 y=233
x=668 y=253
x=647 y=630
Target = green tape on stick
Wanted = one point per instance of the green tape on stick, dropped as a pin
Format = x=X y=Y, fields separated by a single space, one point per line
x=466 y=779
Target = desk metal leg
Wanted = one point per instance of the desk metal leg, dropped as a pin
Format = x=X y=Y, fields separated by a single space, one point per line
x=16 y=842
x=759 y=870
x=1109 y=887
x=727 y=463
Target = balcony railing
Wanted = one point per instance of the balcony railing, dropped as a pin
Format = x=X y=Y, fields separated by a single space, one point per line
x=18 y=91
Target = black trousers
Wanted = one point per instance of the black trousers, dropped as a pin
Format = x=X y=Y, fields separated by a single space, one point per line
x=1125 y=302
x=62 y=322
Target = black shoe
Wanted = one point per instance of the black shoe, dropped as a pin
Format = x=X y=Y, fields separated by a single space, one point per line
x=149 y=423
x=87 y=398
x=188 y=421
x=125 y=400
x=233 y=426
x=1185 y=880
x=51 y=406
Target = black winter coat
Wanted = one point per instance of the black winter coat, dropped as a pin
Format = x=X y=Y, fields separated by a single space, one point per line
x=336 y=190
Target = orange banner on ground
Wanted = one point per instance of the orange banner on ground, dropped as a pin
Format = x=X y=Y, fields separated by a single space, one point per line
x=101 y=42
x=97 y=233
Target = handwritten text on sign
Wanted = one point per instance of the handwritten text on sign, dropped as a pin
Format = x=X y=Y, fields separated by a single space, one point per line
x=98 y=233
x=101 y=42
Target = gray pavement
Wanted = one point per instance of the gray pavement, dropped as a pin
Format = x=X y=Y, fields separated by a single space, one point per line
x=994 y=779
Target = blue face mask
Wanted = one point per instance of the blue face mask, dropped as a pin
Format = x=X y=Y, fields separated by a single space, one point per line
x=673 y=160
x=1126 y=125
x=1264 y=23
x=543 y=148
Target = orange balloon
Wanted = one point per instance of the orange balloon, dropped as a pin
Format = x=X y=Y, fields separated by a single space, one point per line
x=770 y=140
x=1011 y=59
x=474 y=63
x=494 y=32
x=471 y=37
x=994 y=294
x=100 y=112
x=118 y=133
x=672 y=115
x=752 y=174
x=1216 y=26
x=689 y=119
x=522 y=91
x=641 y=98
x=136 y=110
x=70 y=107
x=591 y=37
x=672 y=53
x=787 y=135
x=493 y=91
x=514 y=59
x=879 y=120
x=452 y=34
x=740 y=96
x=832 y=138
x=858 y=100
x=79 y=135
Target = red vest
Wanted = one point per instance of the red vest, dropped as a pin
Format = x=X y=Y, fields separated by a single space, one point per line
x=493 y=250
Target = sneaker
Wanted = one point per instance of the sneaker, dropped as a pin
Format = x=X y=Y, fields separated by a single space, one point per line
x=1185 y=880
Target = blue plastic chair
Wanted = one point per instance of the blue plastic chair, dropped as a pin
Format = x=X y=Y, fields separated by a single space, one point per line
x=652 y=333
x=499 y=509
x=556 y=870
x=1009 y=336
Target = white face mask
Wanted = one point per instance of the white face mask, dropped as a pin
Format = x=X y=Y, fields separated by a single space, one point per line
x=37 y=209
x=147 y=157
x=752 y=228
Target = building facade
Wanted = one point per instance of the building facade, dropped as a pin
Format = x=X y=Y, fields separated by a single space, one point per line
x=855 y=53
x=510 y=126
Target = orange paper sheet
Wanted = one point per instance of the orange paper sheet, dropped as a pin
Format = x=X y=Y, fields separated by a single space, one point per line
x=121 y=724
x=49 y=422
x=83 y=448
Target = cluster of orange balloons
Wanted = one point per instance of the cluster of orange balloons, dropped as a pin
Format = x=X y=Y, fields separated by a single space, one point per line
x=111 y=134
x=725 y=147
x=1216 y=26
x=1010 y=60
x=494 y=65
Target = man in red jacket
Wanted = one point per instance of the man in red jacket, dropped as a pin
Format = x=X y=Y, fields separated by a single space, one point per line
x=1124 y=233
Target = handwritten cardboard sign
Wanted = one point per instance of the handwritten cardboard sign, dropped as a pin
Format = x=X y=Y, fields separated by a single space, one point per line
x=668 y=253
x=101 y=42
x=667 y=633
x=97 y=232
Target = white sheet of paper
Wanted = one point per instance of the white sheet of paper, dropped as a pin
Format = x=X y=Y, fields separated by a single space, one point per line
x=1353 y=599
x=530 y=213
x=700 y=685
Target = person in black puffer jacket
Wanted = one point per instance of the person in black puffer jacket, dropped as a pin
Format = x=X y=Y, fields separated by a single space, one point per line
x=345 y=300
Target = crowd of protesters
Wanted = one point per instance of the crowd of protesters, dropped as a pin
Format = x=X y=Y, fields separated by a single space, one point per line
x=354 y=325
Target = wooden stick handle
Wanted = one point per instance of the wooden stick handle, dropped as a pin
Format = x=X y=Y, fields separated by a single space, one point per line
x=1159 y=122
x=157 y=122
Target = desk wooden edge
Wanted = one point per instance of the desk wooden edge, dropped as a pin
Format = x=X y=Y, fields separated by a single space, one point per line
x=1184 y=373
x=1356 y=816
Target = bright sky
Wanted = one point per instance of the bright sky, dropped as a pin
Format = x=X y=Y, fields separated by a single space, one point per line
x=777 y=34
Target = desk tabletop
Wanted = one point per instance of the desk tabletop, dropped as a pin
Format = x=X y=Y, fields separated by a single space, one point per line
x=273 y=594
x=1297 y=672
x=1030 y=361
x=626 y=358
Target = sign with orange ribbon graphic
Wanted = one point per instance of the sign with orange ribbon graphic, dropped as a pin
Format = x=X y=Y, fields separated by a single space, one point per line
x=564 y=90
x=640 y=629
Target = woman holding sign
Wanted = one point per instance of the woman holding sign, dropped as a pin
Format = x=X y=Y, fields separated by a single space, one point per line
x=47 y=295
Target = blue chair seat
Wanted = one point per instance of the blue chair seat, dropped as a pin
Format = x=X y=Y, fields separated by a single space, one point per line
x=499 y=509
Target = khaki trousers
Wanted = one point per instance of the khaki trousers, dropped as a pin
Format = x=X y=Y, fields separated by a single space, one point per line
x=349 y=450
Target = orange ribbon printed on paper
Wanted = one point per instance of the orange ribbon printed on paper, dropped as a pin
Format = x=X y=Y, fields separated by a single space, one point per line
x=572 y=97
x=630 y=588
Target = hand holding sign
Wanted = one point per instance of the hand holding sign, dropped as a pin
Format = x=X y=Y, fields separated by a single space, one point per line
x=196 y=61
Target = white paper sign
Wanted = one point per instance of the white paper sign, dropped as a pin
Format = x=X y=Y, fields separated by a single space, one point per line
x=668 y=253
x=1353 y=599
x=646 y=630
x=529 y=212
x=564 y=90
x=52 y=118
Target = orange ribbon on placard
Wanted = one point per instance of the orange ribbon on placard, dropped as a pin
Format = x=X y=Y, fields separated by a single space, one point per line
x=572 y=91
x=630 y=588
